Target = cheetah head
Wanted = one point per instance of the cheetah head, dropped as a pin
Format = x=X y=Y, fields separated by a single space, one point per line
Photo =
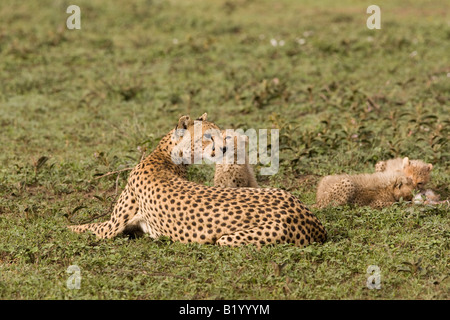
x=192 y=141
x=418 y=171
x=403 y=188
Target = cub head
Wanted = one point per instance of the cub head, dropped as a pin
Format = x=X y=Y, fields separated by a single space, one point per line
x=234 y=146
x=403 y=188
x=193 y=140
x=418 y=171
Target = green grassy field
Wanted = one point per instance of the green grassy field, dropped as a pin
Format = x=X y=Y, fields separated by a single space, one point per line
x=75 y=104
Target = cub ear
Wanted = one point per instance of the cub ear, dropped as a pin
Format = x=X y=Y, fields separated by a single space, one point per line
x=183 y=122
x=398 y=183
x=405 y=162
x=203 y=117
x=244 y=138
x=430 y=166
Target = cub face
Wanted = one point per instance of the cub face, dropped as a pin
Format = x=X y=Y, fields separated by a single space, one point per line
x=234 y=147
x=403 y=188
x=418 y=171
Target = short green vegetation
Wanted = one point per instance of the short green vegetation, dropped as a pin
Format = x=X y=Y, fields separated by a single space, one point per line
x=76 y=104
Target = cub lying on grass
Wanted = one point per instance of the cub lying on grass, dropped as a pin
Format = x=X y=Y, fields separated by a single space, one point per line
x=417 y=170
x=378 y=190
x=235 y=175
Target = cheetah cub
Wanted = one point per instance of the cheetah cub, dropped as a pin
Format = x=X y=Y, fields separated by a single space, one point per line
x=235 y=174
x=377 y=190
x=417 y=170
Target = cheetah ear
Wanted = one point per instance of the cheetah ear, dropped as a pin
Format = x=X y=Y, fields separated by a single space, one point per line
x=183 y=122
x=203 y=117
x=430 y=166
x=405 y=162
x=398 y=183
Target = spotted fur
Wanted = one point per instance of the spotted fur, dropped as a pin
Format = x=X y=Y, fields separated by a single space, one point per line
x=234 y=175
x=417 y=170
x=377 y=190
x=160 y=201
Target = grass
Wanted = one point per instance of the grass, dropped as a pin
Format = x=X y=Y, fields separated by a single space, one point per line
x=75 y=104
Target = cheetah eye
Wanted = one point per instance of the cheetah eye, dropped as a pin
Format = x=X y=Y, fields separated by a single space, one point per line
x=227 y=137
x=207 y=136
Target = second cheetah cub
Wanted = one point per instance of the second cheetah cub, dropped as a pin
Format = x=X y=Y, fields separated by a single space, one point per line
x=417 y=170
x=235 y=174
x=378 y=190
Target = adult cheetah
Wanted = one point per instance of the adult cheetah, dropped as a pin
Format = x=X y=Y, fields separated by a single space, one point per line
x=160 y=201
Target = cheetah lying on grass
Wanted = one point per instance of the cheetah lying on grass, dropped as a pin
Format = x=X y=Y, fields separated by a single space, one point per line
x=160 y=201
x=377 y=190
x=235 y=174
x=417 y=170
